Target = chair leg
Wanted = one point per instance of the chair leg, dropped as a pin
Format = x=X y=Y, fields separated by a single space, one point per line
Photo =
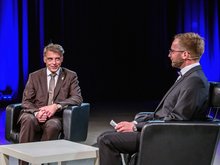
x=132 y=159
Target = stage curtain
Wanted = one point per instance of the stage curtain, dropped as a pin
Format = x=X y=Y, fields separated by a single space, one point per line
x=202 y=17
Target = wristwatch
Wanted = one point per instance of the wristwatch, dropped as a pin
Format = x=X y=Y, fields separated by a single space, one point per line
x=59 y=106
x=134 y=128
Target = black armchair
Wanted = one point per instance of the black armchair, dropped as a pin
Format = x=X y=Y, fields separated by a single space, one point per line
x=75 y=123
x=181 y=142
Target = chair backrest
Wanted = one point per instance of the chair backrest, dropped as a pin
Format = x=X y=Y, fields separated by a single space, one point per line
x=181 y=143
x=214 y=100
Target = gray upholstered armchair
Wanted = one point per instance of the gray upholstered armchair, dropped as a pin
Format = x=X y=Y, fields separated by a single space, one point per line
x=75 y=123
x=181 y=142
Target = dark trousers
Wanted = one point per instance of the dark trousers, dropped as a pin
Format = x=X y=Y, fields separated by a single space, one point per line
x=111 y=144
x=30 y=126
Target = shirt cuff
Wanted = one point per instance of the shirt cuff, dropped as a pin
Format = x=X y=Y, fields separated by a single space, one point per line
x=135 y=122
x=35 y=114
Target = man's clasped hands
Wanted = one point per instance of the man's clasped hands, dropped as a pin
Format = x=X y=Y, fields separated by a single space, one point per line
x=46 y=112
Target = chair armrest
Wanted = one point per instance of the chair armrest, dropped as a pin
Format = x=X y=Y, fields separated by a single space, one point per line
x=141 y=114
x=12 y=113
x=186 y=141
x=75 y=122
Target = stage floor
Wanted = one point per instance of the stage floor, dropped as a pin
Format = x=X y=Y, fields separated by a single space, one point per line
x=100 y=116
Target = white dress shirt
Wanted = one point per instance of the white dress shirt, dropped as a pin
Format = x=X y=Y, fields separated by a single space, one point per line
x=186 y=69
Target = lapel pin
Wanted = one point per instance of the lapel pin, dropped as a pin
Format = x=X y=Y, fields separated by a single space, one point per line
x=62 y=78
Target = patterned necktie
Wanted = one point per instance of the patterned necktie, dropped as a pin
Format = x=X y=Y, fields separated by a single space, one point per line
x=51 y=88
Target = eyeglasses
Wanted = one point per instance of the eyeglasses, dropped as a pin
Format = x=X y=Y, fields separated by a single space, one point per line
x=172 y=51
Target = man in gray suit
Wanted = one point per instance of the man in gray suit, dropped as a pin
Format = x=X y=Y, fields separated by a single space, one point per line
x=187 y=99
x=47 y=92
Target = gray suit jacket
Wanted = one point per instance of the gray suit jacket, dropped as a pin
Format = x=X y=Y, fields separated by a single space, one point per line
x=187 y=99
x=67 y=91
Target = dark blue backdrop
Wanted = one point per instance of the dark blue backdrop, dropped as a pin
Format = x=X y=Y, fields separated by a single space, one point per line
x=203 y=17
x=118 y=48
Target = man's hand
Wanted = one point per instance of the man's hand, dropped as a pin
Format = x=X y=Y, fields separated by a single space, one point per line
x=125 y=126
x=49 y=110
x=41 y=116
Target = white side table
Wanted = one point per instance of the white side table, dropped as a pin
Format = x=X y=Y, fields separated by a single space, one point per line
x=47 y=152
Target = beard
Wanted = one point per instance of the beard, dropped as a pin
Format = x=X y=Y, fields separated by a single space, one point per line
x=177 y=63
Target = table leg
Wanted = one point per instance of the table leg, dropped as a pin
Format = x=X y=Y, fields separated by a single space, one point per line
x=96 y=161
x=4 y=159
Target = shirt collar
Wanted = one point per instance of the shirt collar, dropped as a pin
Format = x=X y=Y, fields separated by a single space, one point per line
x=186 y=69
x=49 y=72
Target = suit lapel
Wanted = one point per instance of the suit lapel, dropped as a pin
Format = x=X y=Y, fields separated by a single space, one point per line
x=176 y=83
x=168 y=92
x=59 y=83
x=43 y=81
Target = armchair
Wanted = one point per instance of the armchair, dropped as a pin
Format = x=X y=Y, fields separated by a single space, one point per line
x=181 y=142
x=75 y=123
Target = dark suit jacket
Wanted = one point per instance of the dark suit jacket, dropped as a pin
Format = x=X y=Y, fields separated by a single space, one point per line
x=67 y=91
x=187 y=99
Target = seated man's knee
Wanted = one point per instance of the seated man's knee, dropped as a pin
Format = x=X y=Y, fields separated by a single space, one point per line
x=98 y=138
x=52 y=129
x=53 y=125
x=105 y=135
x=28 y=119
x=104 y=139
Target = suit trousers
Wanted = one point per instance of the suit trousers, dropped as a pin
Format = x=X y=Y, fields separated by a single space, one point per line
x=30 y=126
x=111 y=144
